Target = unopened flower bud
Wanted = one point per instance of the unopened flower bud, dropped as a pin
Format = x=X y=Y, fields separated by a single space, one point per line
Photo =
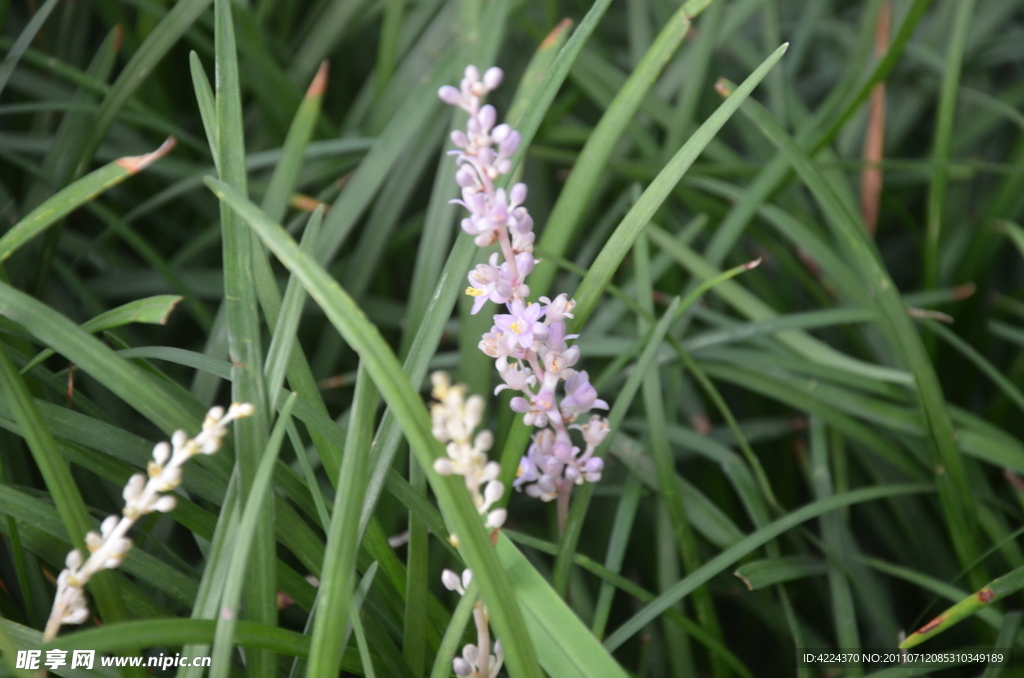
x=161 y=453
x=451 y=581
x=165 y=504
x=461 y=667
x=449 y=95
x=493 y=77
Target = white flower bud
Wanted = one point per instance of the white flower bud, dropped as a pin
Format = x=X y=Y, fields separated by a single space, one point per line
x=467 y=577
x=242 y=410
x=451 y=581
x=471 y=653
x=178 y=439
x=76 y=616
x=495 y=519
x=134 y=488
x=108 y=525
x=461 y=667
x=493 y=492
x=443 y=467
x=165 y=504
x=161 y=453
x=93 y=541
x=74 y=560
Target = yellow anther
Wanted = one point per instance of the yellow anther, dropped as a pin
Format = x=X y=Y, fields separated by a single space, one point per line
x=474 y=292
x=517 y=327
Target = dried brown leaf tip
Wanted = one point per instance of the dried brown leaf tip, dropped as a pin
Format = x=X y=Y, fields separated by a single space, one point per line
x=319 y=84
x=136 y=163
x=552 y=37
x=986 y=595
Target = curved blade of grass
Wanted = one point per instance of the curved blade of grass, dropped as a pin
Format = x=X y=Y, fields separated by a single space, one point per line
x=581 y=501
x=207 y=105
x=749 y=544
x=334 y=600
x=755 y=309
x=411 y=414
x=995 y=590
x=244 y=337
x=576 y=195
x=664 y=462
x=157 y=44
x=28 y=34
x=565 y=645
x=617 y=543
x=283 y=341
x=643 y=595
x=75 y=195
x=227 y=620
x=607 y=262
x=286 y=172
x=943 y=139
x=57 y=476
x=761 y=574
x=151 y=310
x=991 y=371
x=954 y=490
x=1008 y=633
x=450 y=642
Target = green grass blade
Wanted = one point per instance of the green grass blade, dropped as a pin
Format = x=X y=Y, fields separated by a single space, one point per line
x=954 y=493
x=157 y=44
x=749 y=544
x=761 y=574
x=244 y=343
x=664 y=462
x=1008 y=633
x=334 y=601
x=453 y=635
x=286 y=172
x=844 y=616
x=227 y=620
x=410 y=412
x=997 y=589
x=74 y=196
x=24 y=40
x=578 y=191
x=152 y=310
x=578 y=513
x=207 y=105
x=617 y=543
x=943 y=139
x=637 y=218
x=283 y=341
x=565 y=646
x=70 y=505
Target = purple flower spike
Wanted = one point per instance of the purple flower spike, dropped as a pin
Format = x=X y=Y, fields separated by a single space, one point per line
x=530 y=341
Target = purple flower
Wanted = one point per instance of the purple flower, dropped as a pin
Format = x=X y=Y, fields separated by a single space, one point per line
x=581 y=397
x=488 y=282
x=523 y=324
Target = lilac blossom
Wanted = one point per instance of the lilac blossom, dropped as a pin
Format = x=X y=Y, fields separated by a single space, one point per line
x=528 y=340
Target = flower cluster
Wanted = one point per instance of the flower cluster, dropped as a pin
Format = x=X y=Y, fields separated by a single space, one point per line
x=455 y=417
x=109 y=546
x=529 y=342
x=476 y=660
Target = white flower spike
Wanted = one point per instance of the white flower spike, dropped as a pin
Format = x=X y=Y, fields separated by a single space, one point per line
x=109 y=547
